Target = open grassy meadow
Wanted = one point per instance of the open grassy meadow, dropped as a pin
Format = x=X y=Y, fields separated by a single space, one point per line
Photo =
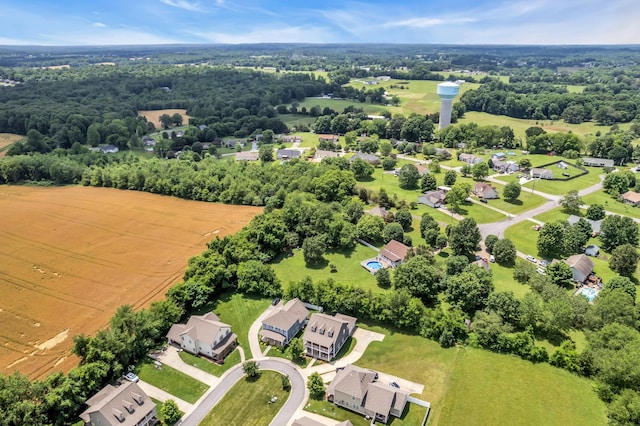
x=6 y=140
x=232 y=408
x=71 y=256
x=519 y=125
x=472 y=386
x=349 y=270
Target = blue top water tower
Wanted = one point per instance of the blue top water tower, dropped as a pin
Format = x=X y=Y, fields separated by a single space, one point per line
x=448 y=90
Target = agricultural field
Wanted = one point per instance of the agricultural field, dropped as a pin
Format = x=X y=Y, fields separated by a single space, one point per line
x=472 y=386
x=6 y=139
x=153 y=116
x=72 y=255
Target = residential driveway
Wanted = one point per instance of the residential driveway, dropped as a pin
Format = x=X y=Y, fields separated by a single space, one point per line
x=171 y=358
x=161 y=395
x=254 y=339
x=406 y=385
x=297 y=396
x=363 y=339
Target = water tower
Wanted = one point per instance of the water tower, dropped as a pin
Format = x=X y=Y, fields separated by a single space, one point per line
x=447 y=91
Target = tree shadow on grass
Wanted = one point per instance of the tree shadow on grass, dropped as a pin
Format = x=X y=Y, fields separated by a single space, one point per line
x=321 y=264
x=514 y=202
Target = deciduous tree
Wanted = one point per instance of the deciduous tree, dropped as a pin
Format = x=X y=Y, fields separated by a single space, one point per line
x=511 y=191
x=624 y=260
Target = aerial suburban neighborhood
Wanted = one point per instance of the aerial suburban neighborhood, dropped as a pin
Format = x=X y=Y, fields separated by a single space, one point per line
x=318 y=234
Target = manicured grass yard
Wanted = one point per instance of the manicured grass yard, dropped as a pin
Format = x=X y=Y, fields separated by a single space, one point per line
x=210 y=366
x=557 y=187
x=611 y=204
x=503 y=281
x=472 y=386
x=350 y=271
x=487 y=388
x=172 y=381
x=240 y=311
x=247 y=403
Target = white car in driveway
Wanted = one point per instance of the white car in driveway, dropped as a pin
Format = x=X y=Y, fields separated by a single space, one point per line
x=131 y=377
x=532 y=259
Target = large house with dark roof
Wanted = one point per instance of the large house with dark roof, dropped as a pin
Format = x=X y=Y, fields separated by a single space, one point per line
x=325 y=335
x=433 y=198
x=369 y=158
x=485 y=191
x=281 y=326
x=393 y=253
x=357 y=389
x=581 y=267
x=470 y=159
x=125 y=405
x=204 y=335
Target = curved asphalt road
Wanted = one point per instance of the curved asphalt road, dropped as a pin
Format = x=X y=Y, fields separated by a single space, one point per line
x=297 y=395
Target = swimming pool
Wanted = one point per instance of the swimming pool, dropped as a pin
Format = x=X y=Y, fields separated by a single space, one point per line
x=589 y=293
x=374 y=265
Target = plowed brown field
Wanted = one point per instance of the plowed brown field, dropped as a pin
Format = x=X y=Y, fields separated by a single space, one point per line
x=153 y=116
x=70 y=256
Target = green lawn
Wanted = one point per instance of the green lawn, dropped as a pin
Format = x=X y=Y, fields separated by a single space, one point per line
x=473 y=386
x=282 y=353
x=233 y=409
x=524 y=237
x=556 y=187
x=612 y=204
x=239 y=311
x=503 y=281
x=526 y=201
x=520 y=125
x=340 y=104
x=480 y=213
x=349 y=270
x=172 y=381
x=487 y=388
x=210 y=366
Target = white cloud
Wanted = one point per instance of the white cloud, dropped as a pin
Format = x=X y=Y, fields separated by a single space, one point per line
x=427 y=22
x=99 y=24
x=280 y=35
x=184 y=4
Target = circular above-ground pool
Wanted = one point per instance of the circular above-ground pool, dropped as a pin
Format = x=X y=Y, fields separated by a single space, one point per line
x=374 y=265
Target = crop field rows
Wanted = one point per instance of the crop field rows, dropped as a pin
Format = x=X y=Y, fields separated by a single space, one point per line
x=72 y=255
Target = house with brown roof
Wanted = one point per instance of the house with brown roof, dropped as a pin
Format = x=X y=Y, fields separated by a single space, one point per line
x=321 y=153
x=422 y=170
x=125 y=405
x=393 y=253
x=433 y=198
x=541 y=173
x=357 y=389
x=325 y=335
x=581 y=266
x=204 y=335
x=328 y=138
x=470 y=158
x=485 y=191
x=631 y=197
x=281 y=326
x=247 y=156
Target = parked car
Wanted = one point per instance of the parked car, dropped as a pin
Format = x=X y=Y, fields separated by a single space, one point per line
x=395 y=385
x=492 y=259
x=543 y=263
x=131 y=377
x=532 y=259
x=541 y=271
x=275 y=301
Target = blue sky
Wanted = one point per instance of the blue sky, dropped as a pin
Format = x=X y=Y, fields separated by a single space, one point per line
x=100 y=22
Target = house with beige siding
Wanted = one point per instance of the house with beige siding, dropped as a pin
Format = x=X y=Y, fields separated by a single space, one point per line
x=204 y=335
x=357 y=389
x=124 y=405
x=325 y=335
